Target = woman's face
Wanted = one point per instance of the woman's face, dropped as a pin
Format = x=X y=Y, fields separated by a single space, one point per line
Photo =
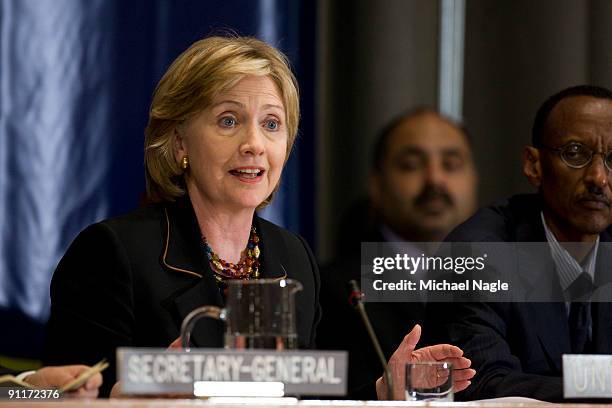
x=237 y=146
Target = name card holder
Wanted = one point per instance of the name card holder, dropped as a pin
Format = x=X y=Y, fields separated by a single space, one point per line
x=587 y=376
x=231 y=373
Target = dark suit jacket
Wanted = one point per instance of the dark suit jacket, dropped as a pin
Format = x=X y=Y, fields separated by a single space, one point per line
x=341 y=327
x=130 y=281
x=516 y=348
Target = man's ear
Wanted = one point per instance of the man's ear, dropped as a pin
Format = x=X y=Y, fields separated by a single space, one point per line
x=532 y=166
x=178 y=144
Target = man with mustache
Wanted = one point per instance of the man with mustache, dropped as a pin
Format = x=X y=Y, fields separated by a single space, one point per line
x=422 y=184
x=423 y=181
x=516 y=348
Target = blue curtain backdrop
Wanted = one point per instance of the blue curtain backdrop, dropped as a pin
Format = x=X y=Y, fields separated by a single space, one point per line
x=76 y=78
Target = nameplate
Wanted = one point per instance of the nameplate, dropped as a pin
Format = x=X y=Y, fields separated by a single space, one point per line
x=587 y=376
x=145 y=371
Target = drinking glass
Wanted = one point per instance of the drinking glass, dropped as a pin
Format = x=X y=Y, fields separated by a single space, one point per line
x=429 y=381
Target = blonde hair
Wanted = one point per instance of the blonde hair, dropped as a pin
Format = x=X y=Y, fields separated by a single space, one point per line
x=210 y=66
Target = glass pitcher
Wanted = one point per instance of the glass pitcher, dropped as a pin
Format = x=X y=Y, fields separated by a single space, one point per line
x=259 y=314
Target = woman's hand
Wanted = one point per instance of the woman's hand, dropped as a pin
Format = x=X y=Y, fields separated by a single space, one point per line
x=406 y=353
x=176 y=345
x=116 y=391
x=56 y=377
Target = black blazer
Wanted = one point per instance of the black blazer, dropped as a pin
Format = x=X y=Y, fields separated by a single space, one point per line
x=130 y=281
x=516 y=348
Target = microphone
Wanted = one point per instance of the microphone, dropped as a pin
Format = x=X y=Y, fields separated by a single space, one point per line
x=355 y=299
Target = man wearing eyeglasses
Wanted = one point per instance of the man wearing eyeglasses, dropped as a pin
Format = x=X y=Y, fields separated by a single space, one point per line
x=517 y=348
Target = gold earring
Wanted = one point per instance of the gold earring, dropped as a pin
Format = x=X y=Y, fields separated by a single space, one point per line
x=184 y=163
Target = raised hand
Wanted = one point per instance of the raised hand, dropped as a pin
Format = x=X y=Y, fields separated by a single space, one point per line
x=406 y=353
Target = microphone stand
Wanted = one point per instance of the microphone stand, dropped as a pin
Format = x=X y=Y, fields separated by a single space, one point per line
x=356 y=301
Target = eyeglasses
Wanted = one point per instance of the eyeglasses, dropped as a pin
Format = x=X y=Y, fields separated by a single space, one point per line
x=576 y=155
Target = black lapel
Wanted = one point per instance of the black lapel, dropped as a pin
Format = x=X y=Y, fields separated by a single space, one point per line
x=547 y=319
x=601 y=313
x=601 y=308
x=550 y=323
x=603 y=271
x=207 y=332
x=538 y=276
x=274 y=257
x=183 y=254
x=538 y=272
x=541 y=278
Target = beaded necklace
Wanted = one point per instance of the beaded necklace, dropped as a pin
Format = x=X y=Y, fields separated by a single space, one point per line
x=247 y=268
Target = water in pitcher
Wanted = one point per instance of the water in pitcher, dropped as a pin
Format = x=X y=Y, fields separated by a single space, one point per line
x=261 y=341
